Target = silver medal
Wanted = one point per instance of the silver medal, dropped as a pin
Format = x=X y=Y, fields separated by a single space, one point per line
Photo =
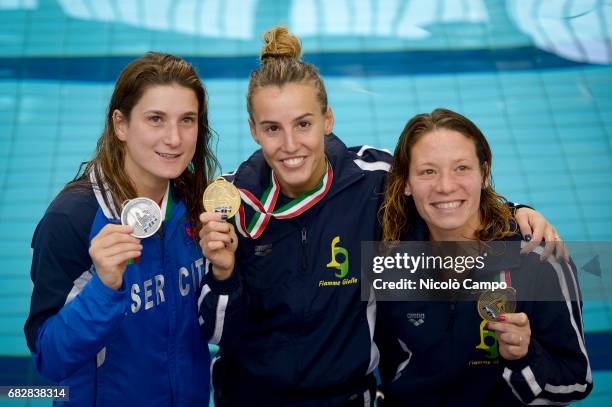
x=143 y=215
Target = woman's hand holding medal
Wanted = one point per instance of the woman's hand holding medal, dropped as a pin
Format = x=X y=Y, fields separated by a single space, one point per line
x=217 y=236
x=110 y=252
x=513 y=335
x=115 y=245
x=219 y=243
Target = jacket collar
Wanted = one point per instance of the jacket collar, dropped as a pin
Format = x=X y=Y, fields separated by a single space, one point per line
x=254 y=174
x=174 y=211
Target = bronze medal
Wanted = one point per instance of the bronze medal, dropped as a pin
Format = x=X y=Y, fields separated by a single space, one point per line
x=221 y=196
x=492 y=304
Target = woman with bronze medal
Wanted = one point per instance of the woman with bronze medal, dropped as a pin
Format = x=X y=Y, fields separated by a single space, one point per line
x=308 y=203
x=520 y=345
x=116 y=263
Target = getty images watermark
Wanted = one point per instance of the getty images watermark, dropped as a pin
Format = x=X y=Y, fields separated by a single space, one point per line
x=434 y=271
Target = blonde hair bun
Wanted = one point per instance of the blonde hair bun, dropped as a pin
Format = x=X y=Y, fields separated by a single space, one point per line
x=279 y=42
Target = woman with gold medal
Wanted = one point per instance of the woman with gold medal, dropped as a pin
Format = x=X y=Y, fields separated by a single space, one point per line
x=308 y=202
x=496 y=351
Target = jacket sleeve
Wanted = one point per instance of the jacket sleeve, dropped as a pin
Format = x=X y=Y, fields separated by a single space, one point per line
x=72 y=312
x=393 y=359
x=222 y=307
x=556 y=369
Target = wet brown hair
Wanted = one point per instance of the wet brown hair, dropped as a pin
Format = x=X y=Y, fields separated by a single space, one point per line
x=398 y=209
x=281 y=63
x=152 y=69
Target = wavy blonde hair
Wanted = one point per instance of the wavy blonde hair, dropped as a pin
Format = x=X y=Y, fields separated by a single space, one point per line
x=398 y=209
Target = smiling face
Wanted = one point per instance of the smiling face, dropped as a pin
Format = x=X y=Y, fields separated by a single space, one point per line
x=160 y=136
x=445 y=180
x=289 y=126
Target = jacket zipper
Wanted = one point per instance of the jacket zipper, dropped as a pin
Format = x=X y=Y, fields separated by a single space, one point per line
x=170 y=338
x=304 y=244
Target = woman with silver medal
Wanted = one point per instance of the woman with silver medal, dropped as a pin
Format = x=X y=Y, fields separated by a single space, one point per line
x=116 y=267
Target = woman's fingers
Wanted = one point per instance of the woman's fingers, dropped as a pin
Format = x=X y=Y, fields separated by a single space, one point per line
x=217 y=226
x=213 y=246
x=112 y=246
x=554 y=244
x=522 y=220
x=112 y=228
x=220 y=237
x=518 y=318
x=207 y=217
x=532 y=225
x=552 y=241
x=511 y=338
x=513 y=335
x=113 y=234
x=123 y=257
x=122 y=247
x=115 y=239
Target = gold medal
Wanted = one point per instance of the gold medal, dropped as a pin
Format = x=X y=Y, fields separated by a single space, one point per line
x=492 y=304
x=221 y=196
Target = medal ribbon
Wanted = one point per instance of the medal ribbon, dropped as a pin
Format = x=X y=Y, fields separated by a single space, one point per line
x=166 y=204
x=504 y=276
x=265 y=211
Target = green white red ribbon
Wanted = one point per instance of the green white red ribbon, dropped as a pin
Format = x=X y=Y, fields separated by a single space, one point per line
x=265 y=211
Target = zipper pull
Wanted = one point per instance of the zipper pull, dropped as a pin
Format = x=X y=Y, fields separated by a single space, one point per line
x=304 y=236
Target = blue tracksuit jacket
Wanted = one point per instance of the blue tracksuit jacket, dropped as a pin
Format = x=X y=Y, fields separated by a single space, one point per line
x=140 y=345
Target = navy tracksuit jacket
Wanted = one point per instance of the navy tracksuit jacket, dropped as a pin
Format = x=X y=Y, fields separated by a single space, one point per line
x=307 y=337
x=440 y=353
